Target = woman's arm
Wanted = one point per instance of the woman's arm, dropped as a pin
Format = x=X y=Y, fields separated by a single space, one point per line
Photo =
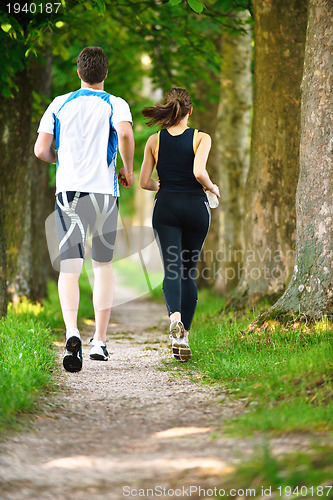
x=146 y=182
x=200 y=160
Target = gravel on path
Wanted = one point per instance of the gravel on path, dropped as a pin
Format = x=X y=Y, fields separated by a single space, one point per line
x=128 y=428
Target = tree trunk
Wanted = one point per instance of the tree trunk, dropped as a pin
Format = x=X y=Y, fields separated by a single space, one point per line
x=24 y=191
x=311 y=288
x=3 y=272
x=269 y=224
x=232 y=140
x=42 y=196
x=15 y=174
x=205 y=119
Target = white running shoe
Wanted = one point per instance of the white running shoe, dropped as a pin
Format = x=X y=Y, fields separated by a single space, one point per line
x=72 y=360
x=177 y=329
x=180 y=349
x=98 y=350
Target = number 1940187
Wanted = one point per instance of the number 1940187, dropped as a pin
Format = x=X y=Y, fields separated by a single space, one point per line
x=33 y=8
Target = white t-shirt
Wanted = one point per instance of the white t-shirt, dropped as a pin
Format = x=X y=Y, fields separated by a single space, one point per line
x=83 y=123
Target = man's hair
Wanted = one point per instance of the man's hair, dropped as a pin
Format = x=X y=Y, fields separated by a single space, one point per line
x=92 y=65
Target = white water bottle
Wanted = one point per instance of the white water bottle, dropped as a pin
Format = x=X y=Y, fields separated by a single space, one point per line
x=212 y=199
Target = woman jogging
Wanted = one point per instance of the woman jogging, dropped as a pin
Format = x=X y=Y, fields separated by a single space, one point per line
x=181 y=213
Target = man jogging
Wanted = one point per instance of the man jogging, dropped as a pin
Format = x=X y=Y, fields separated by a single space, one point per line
x=86 y=125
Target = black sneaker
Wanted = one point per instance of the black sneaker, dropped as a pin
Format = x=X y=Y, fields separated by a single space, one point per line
x=72 y=361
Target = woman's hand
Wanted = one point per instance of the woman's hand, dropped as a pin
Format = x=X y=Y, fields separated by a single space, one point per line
x=215 y=190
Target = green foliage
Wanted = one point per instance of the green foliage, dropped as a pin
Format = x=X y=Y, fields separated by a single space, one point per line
x=23 y=34
x=26 y=361
x=221 y=10
x=10 y=63
x=177 y=42
x=218 y=5
x=196 y=5
x=174 y=36
x=293 y=475
x=284 y=372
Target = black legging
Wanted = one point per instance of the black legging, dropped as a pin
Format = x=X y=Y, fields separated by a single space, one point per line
x=181 y=222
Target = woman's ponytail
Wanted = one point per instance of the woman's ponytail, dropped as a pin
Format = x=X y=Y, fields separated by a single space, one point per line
x=177 y=103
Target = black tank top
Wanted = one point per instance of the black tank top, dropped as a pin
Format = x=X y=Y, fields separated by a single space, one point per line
x=175 y=163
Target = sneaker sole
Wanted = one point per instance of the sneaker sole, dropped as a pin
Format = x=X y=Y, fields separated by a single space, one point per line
x=71 y=362
x=177 y=332
x=98 y=357
x=181 y=353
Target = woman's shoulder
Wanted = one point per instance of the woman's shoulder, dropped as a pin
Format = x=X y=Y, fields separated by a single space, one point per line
x=152 y=139
x=202 y=137
x=201 y=133
x=153 y=143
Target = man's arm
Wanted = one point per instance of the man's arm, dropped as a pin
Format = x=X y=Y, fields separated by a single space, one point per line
x=126 y=150
x=43 y=148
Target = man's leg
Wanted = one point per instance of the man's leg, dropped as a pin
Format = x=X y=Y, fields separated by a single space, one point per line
x=68 y=288
x=69 y=295
x=71 y=228
x=102 y=297
x=104 y=229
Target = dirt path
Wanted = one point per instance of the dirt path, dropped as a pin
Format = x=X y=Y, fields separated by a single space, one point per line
x=126 y=424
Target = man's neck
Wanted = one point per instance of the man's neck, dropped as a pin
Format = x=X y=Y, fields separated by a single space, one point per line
x=95 y=86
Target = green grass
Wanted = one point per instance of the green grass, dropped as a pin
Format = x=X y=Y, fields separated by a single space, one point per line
x=27 y=361
x=27 y=353
x=283 y=376
x=293 y=475
x=284 y=371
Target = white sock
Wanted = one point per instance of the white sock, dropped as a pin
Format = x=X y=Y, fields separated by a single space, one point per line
x=72 y=332
x=98 y=342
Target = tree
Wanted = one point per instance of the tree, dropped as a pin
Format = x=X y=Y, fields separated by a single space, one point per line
x=232 y=140
x=3 y=273
x=15 y=125
x=310 y=290
x=42 y=195
x=22 y=35
x=205 y=118
x=269 y=225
